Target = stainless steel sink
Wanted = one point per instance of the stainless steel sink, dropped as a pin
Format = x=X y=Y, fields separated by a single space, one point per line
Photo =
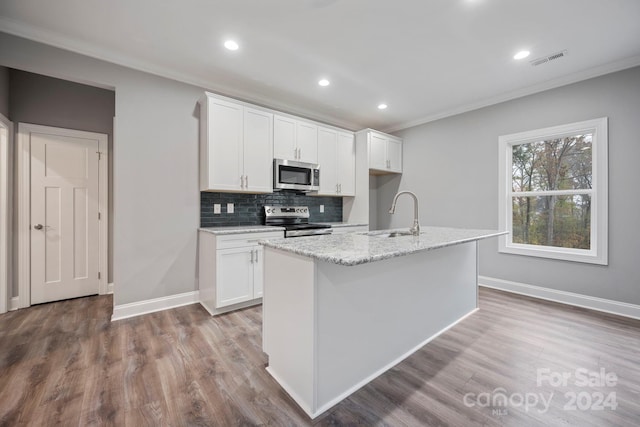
x=390 y=234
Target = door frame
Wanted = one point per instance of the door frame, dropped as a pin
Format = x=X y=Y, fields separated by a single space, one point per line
x=4 y=214
x=24 y=205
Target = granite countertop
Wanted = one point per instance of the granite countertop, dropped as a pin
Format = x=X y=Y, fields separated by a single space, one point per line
x=240 y=229
x=343 y=224
x=360 y=248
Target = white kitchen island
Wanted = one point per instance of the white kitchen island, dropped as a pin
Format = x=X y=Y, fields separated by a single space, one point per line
x=341 y=310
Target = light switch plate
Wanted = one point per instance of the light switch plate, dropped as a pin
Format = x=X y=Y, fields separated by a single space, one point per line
x=321 y=208
x=216 y=208
x=229 y=207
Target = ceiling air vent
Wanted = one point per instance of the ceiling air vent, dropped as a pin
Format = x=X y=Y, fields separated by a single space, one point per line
x=545 y=59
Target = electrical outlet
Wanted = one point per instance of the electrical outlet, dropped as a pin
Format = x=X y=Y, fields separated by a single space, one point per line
x=216 y=208
x=229 y=208
x=321 y=208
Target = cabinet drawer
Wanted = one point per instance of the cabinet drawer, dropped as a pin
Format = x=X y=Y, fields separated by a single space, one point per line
x=246 y=239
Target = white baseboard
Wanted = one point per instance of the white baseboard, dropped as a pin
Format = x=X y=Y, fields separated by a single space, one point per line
x=14 y=303
x=124 y=311
x=109 y=288
x=570 y=298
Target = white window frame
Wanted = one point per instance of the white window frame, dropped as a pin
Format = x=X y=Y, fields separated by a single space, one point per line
x=598 y=254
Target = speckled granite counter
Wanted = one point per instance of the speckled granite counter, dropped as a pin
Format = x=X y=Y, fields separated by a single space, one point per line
x=240 y=229
x=360 y=248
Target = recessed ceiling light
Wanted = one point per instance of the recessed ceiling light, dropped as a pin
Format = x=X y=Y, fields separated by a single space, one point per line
x=382 y=106
x=521 y=55
x=324 y=82
x=231 y=45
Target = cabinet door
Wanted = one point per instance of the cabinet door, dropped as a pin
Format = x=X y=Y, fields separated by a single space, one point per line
x=307 y=142
x=346 y=153
x=377 y=151
x=225 y=150
x=328 y=161
x=284 y=138
x=258 y=271
x=234 y=276
x=258 y=154
x=394 y=154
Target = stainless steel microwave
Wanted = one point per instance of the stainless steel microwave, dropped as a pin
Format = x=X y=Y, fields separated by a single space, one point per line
x=298 y=176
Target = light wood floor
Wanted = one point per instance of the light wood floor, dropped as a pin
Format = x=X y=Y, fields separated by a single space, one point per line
x=66 y=364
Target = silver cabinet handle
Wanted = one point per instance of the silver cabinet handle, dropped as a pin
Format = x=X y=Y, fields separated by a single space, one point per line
x=246 y=182
x=252 y=256
x=38 y=226
x=340 y=188
x=256 y=255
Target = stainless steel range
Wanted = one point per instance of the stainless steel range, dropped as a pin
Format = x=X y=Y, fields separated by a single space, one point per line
x=295 y=220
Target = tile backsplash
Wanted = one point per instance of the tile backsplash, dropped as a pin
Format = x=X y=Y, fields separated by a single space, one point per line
x=248 y=208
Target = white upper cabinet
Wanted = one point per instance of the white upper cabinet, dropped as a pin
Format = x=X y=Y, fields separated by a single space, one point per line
x=284 y=138
x=336 y=156
x=295 y=139
x=258 y=157
x=385 y=152
x=236 y=147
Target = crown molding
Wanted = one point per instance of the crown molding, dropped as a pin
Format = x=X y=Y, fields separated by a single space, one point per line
x=579 y=76
x=82 y=47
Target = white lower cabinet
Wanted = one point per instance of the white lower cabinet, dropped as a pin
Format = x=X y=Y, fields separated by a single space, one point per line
x=231 y=270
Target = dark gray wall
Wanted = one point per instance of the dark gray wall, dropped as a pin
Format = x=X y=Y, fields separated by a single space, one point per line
x=4 y=91
x=452 y=164
x=43 y=100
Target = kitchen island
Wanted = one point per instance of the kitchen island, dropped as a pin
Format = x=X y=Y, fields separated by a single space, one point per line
x=341 y=310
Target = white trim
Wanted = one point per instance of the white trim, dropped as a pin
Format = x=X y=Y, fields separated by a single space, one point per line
x=110 y=288
x=598 y=254
x=14 y=303
x=594 y=303
x=24 y=205
x=4 y=213
x=576 y=77
x=83 y=47
x=124 y=311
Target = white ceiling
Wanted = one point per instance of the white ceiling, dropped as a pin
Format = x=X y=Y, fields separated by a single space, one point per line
x=425 y=58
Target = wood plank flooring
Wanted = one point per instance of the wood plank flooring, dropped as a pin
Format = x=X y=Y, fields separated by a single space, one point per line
x=66 y=364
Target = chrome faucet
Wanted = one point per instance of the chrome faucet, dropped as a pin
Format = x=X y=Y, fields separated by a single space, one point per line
x=415 y=230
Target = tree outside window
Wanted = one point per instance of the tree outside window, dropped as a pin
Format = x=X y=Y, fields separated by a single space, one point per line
x=553 y=192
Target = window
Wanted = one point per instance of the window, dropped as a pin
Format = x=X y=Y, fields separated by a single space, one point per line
x=553 y=192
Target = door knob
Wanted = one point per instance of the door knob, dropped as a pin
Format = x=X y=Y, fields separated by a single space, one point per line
x=38 y=226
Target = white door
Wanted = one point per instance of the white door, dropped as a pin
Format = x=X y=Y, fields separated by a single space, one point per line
x=234 y=282
x=64 y=216
x=258 y=150
x=377 y=151
x=307 y=142
x=258 y=272
x=346 y=164
x=327 y=140
x=394 y=154
x=225 y=145
x=284 y=138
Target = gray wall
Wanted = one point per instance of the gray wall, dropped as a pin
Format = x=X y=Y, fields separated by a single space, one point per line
x=155 y=168
x=43 y=100
x=453 y=166
x=4 y=91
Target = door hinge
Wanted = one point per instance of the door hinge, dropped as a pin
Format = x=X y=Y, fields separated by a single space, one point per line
x=99 y=216
x=98 y=274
